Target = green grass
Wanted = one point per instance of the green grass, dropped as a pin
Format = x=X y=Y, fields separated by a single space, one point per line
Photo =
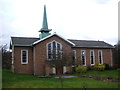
x=105 y=73
x=12 y=80
x=0 y=78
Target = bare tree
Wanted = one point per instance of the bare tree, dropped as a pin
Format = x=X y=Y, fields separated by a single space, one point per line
x=59 y=59
x=6 y=58
x=116 y=55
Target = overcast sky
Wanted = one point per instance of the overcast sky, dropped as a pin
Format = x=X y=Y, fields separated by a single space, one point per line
x=73 y=19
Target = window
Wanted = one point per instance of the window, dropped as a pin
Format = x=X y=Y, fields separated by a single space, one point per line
x=58 y=47
x=83 y=57
x=24 y=56
x=49 y=51
x=54 y=46
x=100 y=57
x=53 y=49
x=74 y=57
x=92 y=59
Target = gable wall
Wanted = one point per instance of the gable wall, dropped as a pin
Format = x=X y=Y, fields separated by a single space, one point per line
x=40 y=50
x=23 y=68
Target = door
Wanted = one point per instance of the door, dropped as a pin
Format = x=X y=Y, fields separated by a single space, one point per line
x=59 y=71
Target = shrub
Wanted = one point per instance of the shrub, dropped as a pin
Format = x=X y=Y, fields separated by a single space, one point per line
x=95 y=67
x=81 y=69
x=99 y=67
x=106 y=66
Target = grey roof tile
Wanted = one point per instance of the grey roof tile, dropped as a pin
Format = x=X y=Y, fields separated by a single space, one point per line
x=23 y=41
x=27 y=41
x=89 y=43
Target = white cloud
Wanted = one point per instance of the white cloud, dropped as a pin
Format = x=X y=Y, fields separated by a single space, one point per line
x=78 y=19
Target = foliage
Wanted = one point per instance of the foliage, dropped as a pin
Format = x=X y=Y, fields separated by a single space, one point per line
x=106 y=66
x=81 y=69
x=6 y=58
x=116 y=55
x=13 y=80
x=99 y=67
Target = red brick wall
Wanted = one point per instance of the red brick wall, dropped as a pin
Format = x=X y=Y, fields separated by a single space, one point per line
x=23 y=68
x=37 y=56
x=106 y=53
x=41 y=54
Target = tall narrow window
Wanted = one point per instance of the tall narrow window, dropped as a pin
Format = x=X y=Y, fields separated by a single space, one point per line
x=83 y=57
x=92 y=61
x=54 y=46
x=100 y=57
x=53 y=50
x=49 y=51
x=58 y=47
x=74 y=57
x=24 y=56
x=59 y=52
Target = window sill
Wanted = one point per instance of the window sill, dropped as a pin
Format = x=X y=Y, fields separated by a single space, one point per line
x=24 y=63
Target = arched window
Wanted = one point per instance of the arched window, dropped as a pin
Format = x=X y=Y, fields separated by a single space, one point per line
x=53 y=49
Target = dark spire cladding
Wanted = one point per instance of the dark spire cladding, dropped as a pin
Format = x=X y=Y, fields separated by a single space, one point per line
x=44 y=30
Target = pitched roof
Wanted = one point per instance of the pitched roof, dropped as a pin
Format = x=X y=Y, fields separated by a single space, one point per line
x=26 y=41
x=23 y=41
x=91 y=44
x=54 y=34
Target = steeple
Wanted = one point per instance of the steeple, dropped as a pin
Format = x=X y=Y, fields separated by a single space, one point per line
x=44 y=30
x=45 y=24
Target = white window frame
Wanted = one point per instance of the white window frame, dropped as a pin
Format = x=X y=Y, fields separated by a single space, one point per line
x=26 y=57
x=54 y=70
x=64 y=69
x=75 y=55
x=101 y=57
x=84 y=56
x=52 y=47
x=47 y=49
x=93 y=57
x=12 y=55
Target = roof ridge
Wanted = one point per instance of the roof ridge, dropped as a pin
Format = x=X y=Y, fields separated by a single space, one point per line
x=25 y=37
x=86 y=40
x=51 y=36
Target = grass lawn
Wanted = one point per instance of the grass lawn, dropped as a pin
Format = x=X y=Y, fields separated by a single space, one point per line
x=105 y=73
x=12 y=80
x=0 y=78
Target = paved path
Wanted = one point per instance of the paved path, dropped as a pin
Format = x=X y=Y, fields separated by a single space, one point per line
x=66 y=76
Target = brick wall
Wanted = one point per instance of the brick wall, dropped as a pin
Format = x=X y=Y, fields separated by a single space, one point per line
x=40 y=50
x=106 y=53
x=37 y=56
x=23 y=68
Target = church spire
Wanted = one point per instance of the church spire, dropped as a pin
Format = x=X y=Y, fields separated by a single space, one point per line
x=44 y=30
x=45 y=24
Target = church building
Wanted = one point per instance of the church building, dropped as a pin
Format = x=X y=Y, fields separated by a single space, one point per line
x=29 y=55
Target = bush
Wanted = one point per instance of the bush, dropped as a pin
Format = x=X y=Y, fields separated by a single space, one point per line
x=95 y=67
x=99 y=67
x=81 y=69
x=106 y=66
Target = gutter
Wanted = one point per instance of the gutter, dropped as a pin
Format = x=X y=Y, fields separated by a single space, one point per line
x=92 y=47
